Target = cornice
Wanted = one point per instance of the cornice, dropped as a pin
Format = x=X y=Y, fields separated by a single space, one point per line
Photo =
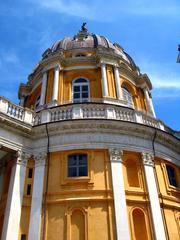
x=109 y=127
x=15 y=125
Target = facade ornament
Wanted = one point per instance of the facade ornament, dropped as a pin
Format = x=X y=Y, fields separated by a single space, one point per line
x=40 y=159
x=147 y=159
x=115 y=155
x=22 y=157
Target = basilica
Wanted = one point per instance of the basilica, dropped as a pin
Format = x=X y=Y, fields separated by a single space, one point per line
x=83 y=156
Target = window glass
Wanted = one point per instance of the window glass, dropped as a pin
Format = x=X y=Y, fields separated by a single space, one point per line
x=127 y=96
x=77 y=165
x=30 y=173
x=23 y=236
x=80 y=90
x=172 y=176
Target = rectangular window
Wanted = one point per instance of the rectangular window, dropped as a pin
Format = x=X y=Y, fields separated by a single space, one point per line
x=29 y=189
x=77 y=165
x=172 y=176
x=30 y=173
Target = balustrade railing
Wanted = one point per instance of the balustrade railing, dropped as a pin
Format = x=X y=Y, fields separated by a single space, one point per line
x=90 y=110
x=15 y=111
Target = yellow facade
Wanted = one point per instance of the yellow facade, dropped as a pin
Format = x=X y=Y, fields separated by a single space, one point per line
x=92 y=101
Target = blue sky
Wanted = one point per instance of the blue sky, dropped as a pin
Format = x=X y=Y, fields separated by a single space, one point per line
x=149 y=30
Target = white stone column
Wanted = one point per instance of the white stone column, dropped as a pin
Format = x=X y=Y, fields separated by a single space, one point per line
x=55 y=84
x=15 y=197
x=118 y=83
x=149 y=102
x=157 y=219
x=121 y=217
x=43 y=88
x=104 y=80
x=37 y=197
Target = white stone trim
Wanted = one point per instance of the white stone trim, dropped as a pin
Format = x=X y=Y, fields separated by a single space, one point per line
x=15 y=197
x=149 y=102
x=118 y=83
x=55 y=84
x=153 y=197
x=121 y=217
x=104 y=80
x=43 y=89
x=37 y=197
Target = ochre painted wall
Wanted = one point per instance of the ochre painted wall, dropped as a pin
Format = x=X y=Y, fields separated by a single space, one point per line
x=30 y=102
x=49 y=88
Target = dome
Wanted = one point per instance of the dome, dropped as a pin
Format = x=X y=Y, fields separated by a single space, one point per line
x=84 y=39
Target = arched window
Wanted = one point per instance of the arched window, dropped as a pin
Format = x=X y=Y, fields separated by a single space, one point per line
x=128 y=97
x=80 y=90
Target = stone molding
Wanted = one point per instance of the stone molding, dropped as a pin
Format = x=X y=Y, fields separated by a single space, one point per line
x=22 y=157
x=115 y=155
x=148 y=159
x=40 y=159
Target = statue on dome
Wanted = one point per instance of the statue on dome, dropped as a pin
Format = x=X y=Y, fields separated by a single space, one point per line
x=83 y=28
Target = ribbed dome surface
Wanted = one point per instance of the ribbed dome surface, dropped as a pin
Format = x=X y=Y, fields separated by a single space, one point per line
x=89 y=40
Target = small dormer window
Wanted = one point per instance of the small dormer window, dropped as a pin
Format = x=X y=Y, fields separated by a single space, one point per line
x=80 y=90
x=80 y=55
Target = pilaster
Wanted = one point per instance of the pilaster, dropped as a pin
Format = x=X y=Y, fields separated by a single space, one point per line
x=15 y=196
x=121 y=217
x=37 y=197
x=148 y=161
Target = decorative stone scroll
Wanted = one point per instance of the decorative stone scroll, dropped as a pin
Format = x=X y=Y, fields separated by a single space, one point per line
x=22 y=157
x=40 y=159
x=115 y=155
x=148 y=159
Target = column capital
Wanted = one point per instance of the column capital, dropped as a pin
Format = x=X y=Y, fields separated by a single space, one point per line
x=115 y=155
x=22 y=157
x=148 y=159
x=40 y=159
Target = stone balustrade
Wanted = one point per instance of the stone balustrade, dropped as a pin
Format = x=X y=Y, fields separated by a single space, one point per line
x=89 y=110
x=17 y=112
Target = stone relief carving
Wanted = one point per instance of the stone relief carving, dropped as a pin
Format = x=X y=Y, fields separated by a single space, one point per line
x=148 y=159
x=115 y=155
x=22 y=157
x=40 y=159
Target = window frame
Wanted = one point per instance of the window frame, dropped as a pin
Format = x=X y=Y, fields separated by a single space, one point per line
x=172 y=180
x=77 y=166
x=127 y=96
x=80 y=84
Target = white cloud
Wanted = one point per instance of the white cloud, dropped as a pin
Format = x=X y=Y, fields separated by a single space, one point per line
x=103 y=11
x=74 y=8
